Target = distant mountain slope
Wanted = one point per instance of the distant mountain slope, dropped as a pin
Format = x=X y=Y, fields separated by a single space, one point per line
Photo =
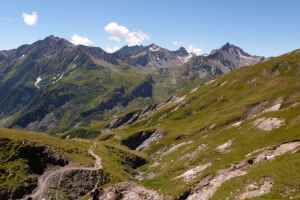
x=223 y=60
x=53 y=80
x=52 y=85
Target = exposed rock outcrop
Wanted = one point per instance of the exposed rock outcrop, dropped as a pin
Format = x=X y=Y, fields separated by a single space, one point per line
x=143 y=139
x=224 y=147
x=209 y=185
x=69 y=182
x=175 y=147
x=129 y=191
x=74 y=184
x=131 y=117
x=268 y=124
x=189 y=175
x=256 y=190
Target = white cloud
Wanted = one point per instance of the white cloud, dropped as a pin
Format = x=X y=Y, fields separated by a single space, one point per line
x=190 y=48
x=135 y=38
x=193 y=50
x=111 y=49
x=119 y=33
x=116 y=30
x=30 y=19
x=80 y=40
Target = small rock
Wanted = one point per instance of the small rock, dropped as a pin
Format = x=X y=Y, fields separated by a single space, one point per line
x=224 y=147
x=237 y=124
x=175 y=147
x=189 y=175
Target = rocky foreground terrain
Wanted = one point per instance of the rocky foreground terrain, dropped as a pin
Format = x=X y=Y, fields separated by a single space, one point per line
x=234 y=136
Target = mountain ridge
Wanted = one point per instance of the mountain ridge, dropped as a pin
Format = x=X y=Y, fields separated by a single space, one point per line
x=43 y=83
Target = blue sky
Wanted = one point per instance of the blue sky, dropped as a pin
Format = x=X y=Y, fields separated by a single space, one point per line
x=262 y=27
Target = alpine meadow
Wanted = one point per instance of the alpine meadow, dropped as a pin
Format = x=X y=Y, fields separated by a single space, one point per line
x=149 y=100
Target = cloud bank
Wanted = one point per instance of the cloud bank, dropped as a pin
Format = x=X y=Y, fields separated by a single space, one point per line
x=111 y=49
x=80 y=40
x=122 y=33
x=193 y=50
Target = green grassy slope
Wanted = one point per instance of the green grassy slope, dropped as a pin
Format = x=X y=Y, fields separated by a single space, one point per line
x=207 y=116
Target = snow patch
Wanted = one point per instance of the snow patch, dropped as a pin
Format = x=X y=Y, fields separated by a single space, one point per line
x=22 y=57
x=187 y=58
x=154 y=48
x=36 y=83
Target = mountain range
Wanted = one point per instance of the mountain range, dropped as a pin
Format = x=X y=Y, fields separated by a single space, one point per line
x=53 y=85
x=147 y=123
x=234 y=136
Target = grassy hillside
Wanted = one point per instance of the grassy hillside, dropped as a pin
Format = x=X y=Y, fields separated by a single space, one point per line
x=235 y=137
x=220 y=123
x=26 y=155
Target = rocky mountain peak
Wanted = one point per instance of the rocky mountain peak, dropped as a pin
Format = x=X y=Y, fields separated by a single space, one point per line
x=228 y=48
x=233 y=56
x=128 y=51
x=181 y=52
x=228 y=45
x=54 y=41
x=233 y=49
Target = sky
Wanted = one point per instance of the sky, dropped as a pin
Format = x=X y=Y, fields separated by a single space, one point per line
x=261 y=27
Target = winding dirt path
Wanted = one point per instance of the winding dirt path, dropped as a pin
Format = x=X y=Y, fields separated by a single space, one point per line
x=43 y=182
